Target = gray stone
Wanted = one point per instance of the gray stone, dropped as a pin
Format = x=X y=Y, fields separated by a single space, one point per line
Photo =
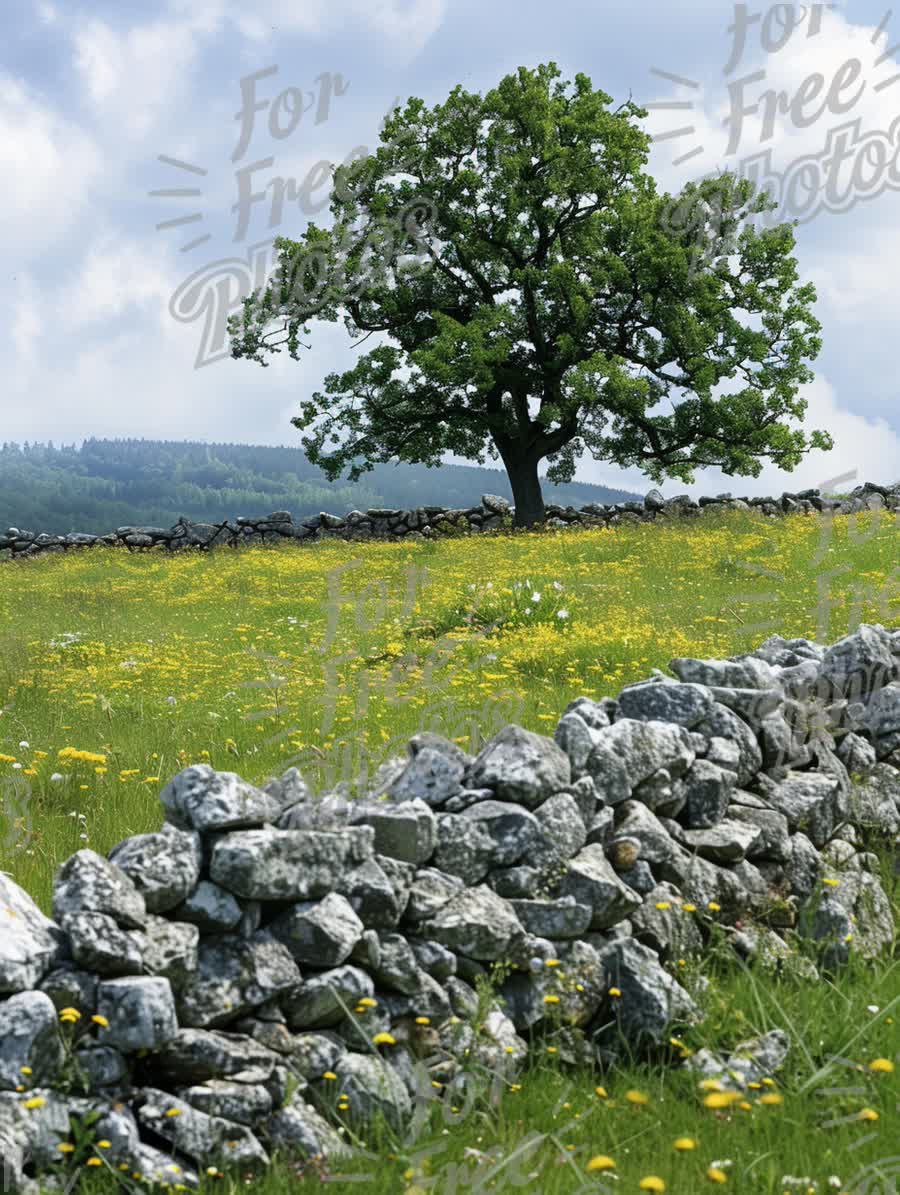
x=521 y=767
x=720 y=722
x=28 y=943
x=630 y=751
x=210 y=908
x=97 y=944
x=665 y=701
x=373 y=1090
x=708 y=788
x=199 y=798
x=465 y=848
x=233 y=976
x=563 y=918
x=320 y=934
x=807 y=801
x=169 y=949
x=773 y=841
x=405 y=831
x=140 y=1011
x=430 y=776
x=513 y=830
x=164 y=867
x=875 y=799
x=103 y=1066
x=662 y=924
x=562 y=828
x=859 y=663
x=198 y=1055
x=652 y=1002
x=431 y=890
x=726 y=842
x=209 y=1140
x=633 y=820
x=242 y=1103
x=745 y=673
x=287 y=864
x=476 y=923
x=88 y=883
x=299 y=1131
x=592 y=881
x=29 y=1037
x=324 y=1000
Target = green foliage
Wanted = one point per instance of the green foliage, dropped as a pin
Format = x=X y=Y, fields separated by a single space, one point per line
x=532 y=192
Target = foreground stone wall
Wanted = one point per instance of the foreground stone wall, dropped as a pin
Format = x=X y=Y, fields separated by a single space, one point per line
x=272 y=965
x=426 y=522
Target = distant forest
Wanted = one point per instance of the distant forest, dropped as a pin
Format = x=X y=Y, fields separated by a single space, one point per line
x=110 y=483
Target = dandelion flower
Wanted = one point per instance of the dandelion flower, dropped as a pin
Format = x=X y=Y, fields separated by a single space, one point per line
x=600 y=1162
x=685 y=1143
x=652 y=1183
x=882 y=1066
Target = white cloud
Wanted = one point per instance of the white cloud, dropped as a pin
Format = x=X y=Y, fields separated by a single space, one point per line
x=132 y=78
x=405 y=26
x=51 y=165
x=713 y=112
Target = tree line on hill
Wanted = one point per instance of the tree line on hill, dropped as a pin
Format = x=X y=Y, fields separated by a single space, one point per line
x=108 y=483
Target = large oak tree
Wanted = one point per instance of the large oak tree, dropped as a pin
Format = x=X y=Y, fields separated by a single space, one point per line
x=543 y=300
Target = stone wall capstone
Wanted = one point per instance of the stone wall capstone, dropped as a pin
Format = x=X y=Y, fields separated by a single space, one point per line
x=273 y=966
x=430 y=522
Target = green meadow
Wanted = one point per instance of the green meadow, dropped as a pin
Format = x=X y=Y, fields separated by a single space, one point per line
x=118 y=669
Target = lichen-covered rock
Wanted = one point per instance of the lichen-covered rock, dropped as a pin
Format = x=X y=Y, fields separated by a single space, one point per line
x=405 y=830
x=197 y=1055
x=209 y=1140
x=288 y=864
x=325 y=1000
x=29 y=1037
x=630 y=751
x=88 y=883
x=233 y=976
x=140 y=1012
x=199 y=798
x=521 y=767
x=169 y=949
x=651 y=1001
x=591 y=881
x=665 y=701
x=211 y=908
x=164 y=867
x=476 y=923
x=319 y=933
x=98 y=944
x=299 y=1131
x=29 y=941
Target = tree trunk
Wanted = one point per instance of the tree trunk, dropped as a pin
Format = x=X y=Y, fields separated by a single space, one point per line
x=526 y=488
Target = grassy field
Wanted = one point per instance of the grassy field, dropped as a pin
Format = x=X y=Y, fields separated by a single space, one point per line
x=118 y=669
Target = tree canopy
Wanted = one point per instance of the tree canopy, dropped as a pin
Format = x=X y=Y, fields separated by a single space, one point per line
x=542 y=299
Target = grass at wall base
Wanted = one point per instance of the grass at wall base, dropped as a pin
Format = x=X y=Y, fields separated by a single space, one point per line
x=118 y=669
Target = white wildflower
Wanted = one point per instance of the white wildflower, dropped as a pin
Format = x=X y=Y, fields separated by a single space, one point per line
x=562 y=613
x=535 y=597
x=56 y=777
x=17 y=766
x=23 y=745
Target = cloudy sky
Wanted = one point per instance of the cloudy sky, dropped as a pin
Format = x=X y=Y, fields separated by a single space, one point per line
x=112 y=326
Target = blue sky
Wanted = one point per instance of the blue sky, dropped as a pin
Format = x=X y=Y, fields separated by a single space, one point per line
x=103 y=314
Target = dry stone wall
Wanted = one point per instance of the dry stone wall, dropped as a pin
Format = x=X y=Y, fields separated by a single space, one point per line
x=273 y=967
x=428 y=522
